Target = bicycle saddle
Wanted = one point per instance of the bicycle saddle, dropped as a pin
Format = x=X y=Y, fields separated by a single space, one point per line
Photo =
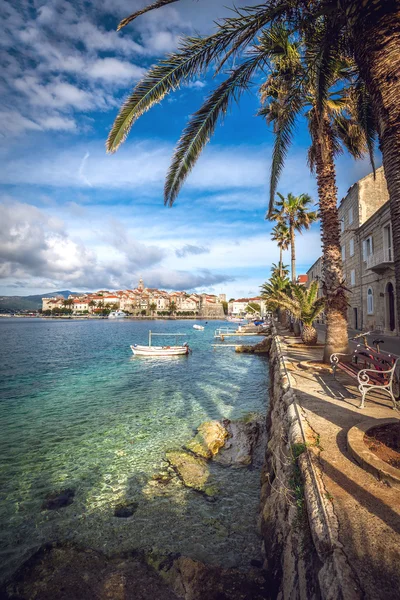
x=378 y=342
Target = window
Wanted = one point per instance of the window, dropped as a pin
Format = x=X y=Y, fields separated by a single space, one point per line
x=341 y=225
x=387 y=242
x=343 y=253
x=350 y=216
x=352 y=247
x=368 y=248
x=370 y=302
x=353 y=277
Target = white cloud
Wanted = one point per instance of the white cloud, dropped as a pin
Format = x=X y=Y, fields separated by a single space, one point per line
x=112 y=69
x=58 y=123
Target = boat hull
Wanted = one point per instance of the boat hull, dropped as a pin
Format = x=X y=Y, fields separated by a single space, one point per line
x=159 y=350
x=199 y=327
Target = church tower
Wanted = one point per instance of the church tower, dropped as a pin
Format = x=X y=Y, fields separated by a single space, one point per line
x=141 y=285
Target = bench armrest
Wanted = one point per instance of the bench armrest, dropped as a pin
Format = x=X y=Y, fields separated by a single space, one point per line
x=363 y=374
x=334 y=357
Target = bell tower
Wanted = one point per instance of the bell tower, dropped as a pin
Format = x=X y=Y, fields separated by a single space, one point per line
x=141 y=285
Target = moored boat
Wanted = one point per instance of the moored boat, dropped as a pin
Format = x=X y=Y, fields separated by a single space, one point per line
x=177 y=350
x=117 y=314
x=199 y=327
x=160 y=350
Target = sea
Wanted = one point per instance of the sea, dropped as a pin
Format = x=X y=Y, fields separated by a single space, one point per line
x=78 y=411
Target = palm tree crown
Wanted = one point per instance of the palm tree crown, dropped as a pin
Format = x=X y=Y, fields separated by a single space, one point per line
x=294 y=213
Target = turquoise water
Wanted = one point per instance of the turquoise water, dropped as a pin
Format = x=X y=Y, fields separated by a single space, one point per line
x=78 y=411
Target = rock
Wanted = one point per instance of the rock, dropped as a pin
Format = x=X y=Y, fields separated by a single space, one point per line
x=193 y=470
x=56 y=500
x=211 y=436
x=262 y=347
x=162 y=478
x=67 y=572
x=125 y=509
x=193 y=580
x=245 y=444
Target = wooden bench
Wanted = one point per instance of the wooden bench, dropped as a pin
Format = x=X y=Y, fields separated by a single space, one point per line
x=371 y=368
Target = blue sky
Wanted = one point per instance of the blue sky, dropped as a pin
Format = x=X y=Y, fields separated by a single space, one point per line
x=73 y=217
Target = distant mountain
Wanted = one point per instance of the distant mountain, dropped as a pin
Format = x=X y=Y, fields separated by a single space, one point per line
x=15 y=303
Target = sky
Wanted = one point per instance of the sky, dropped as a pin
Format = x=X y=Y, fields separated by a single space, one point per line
x=73 y=217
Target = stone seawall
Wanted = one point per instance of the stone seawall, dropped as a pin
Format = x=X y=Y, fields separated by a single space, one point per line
x=303 y=556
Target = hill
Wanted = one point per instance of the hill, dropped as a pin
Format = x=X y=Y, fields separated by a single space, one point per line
x=16 y=303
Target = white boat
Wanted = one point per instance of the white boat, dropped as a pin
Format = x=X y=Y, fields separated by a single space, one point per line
x=237 y=320
x=160 y=350
x=117 y=314
x=200 y=327
x=150 y=350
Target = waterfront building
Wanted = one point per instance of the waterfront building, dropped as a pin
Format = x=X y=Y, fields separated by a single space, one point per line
x=141 y=300
x=238 y=307
x=367 y=256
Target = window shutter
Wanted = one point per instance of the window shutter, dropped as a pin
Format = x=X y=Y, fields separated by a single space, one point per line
x=364 y=249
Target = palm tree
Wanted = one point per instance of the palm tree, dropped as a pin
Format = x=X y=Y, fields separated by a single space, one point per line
x=153 y=307
x=280 y=235
x=270 y=289
x=248 y=37
x=282 y=270
x=305 y=306
x=294 y=212
x=371 y=32
x=291 y=91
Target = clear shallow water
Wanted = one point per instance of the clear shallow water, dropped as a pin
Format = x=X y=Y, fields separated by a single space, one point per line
x=77 y=410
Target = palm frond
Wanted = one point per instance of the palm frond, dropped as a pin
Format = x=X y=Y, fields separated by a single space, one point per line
x=202 y=125
x=194 y=55
x=284 y=126
x=153 y=6
x=365 y=118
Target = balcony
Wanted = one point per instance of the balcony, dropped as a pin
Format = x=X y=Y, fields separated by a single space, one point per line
x=381 y=260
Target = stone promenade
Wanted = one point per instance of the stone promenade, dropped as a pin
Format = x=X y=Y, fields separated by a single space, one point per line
x=367 y=510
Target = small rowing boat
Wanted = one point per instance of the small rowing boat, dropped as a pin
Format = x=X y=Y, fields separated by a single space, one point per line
x=160 y=350
x=177 y=350
x=199 y=327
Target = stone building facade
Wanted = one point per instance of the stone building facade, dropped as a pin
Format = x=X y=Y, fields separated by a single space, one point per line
x=367 y=255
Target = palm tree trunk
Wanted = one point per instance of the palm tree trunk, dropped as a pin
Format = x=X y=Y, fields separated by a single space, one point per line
x=309 y=335
x=336 y=303
x=376 y=26
x=293 y=251
x=280 y=261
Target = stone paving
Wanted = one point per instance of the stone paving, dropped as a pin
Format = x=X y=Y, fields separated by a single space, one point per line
x=368 y=510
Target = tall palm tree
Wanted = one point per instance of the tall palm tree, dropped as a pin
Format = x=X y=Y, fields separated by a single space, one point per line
x=280 y=235
x=371 y=31
x=291 y=91
x=248 y=38
x=281 y=270
x=294 y=212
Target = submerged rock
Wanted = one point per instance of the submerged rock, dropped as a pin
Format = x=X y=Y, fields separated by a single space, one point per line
x=162 y=478
x=193 y=470
x=125 y=509
x=67 y=572
x=211 y=436
x=56 y=500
